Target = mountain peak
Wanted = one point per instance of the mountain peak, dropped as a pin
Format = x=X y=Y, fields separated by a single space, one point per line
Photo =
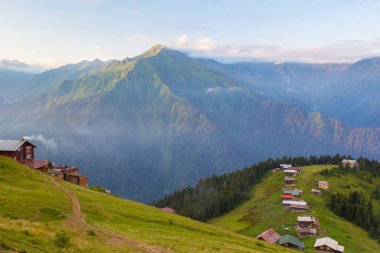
x=156 y=49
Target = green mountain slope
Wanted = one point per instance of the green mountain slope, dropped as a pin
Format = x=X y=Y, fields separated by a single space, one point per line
x=35 y=207
x=264 y=210
x=168 y=120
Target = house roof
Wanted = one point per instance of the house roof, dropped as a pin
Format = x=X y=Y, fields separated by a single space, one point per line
x=290 y=171
x=269 y=235
x=294 y=202
x=329 y=242
x=315 y=190
x=36 y=164
x=306 y=218
x=292 y=192
x=290 y=178
x=349 y=161
x=306 y=207
x=292 y=240
x=323 y=182
x=296 y=168
x=287 y=196
x=168 y=210
x=12 y=145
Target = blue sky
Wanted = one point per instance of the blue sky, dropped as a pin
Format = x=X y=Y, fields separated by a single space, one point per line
x=52 y=33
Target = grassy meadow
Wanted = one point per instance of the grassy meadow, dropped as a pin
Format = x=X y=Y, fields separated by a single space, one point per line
x=264 y=210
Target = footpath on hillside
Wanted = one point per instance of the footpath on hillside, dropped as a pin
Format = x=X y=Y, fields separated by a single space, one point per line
x=76 y=221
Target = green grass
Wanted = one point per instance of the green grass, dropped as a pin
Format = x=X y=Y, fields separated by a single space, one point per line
x=264 y=210
x=33 y=210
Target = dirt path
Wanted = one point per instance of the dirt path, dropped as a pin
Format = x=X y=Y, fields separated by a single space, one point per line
x=77 y=221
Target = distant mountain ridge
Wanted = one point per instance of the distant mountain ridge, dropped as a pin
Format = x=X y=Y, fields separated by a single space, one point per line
x=164 y=120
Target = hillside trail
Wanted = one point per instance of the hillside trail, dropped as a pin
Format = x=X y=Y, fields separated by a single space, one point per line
x=77 y=222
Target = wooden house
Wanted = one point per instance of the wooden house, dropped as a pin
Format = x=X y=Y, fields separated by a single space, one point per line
x=323 y=185
x=350 y=163
x=168 y=210
x=299 y=208
x=19 y=150
x=307 y=226
x=41 y=165
x=290 y=173
x=75 y=179
x=287 y=196
x=289 y=181
x=295 y=193
x=269 y=236
x=285 y=166
x=326 y=244
x=290 y=241
x=298 y=169
x=316 y=192
x=287 y=203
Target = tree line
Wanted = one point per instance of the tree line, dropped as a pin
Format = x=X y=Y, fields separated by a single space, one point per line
x=355 y=208
x=216 y=195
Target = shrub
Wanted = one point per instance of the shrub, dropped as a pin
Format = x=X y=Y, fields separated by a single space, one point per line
x=91 y=233
x=62 y=239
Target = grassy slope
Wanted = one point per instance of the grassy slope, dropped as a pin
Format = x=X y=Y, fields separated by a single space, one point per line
x=264 y=210
x=25 y=195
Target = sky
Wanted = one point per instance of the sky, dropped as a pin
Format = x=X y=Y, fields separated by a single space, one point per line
x=56 y=32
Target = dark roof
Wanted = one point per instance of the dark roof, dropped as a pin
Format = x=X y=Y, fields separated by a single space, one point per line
x=292 y=240
x=269 y=236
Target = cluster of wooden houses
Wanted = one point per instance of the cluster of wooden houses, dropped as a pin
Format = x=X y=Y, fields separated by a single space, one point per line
x=306 y=225
x=23 y=151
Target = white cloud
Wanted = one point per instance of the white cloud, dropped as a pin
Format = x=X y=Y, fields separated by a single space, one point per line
x=48 y=143
x=95 y=47
x=198 y=44
x=182 y=41
x=341 y=51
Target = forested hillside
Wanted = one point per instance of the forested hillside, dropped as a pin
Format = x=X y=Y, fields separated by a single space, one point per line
x=216 y=195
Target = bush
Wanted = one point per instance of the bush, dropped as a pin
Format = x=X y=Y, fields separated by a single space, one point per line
x=91 y=233
x=51 y=214
x=62 y=239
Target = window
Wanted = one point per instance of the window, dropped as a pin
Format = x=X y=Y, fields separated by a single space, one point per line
x=29 y=156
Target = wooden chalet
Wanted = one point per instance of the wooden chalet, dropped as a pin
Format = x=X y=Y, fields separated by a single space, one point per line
x=168 y=210
x=287 y=196
x=41 y=165
x=288 y=203
x=307 y=226
x=295 y=193
x=19 y=150
x=298 y=169
x=316 y=192
x=350 y=163
x=299 y=208
x=289 y=181
x=269 y=236
x=326 y=244
x=290 y=173
x=285 y=166
x=290 y=241
x=75 y=179
x=323 y=185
